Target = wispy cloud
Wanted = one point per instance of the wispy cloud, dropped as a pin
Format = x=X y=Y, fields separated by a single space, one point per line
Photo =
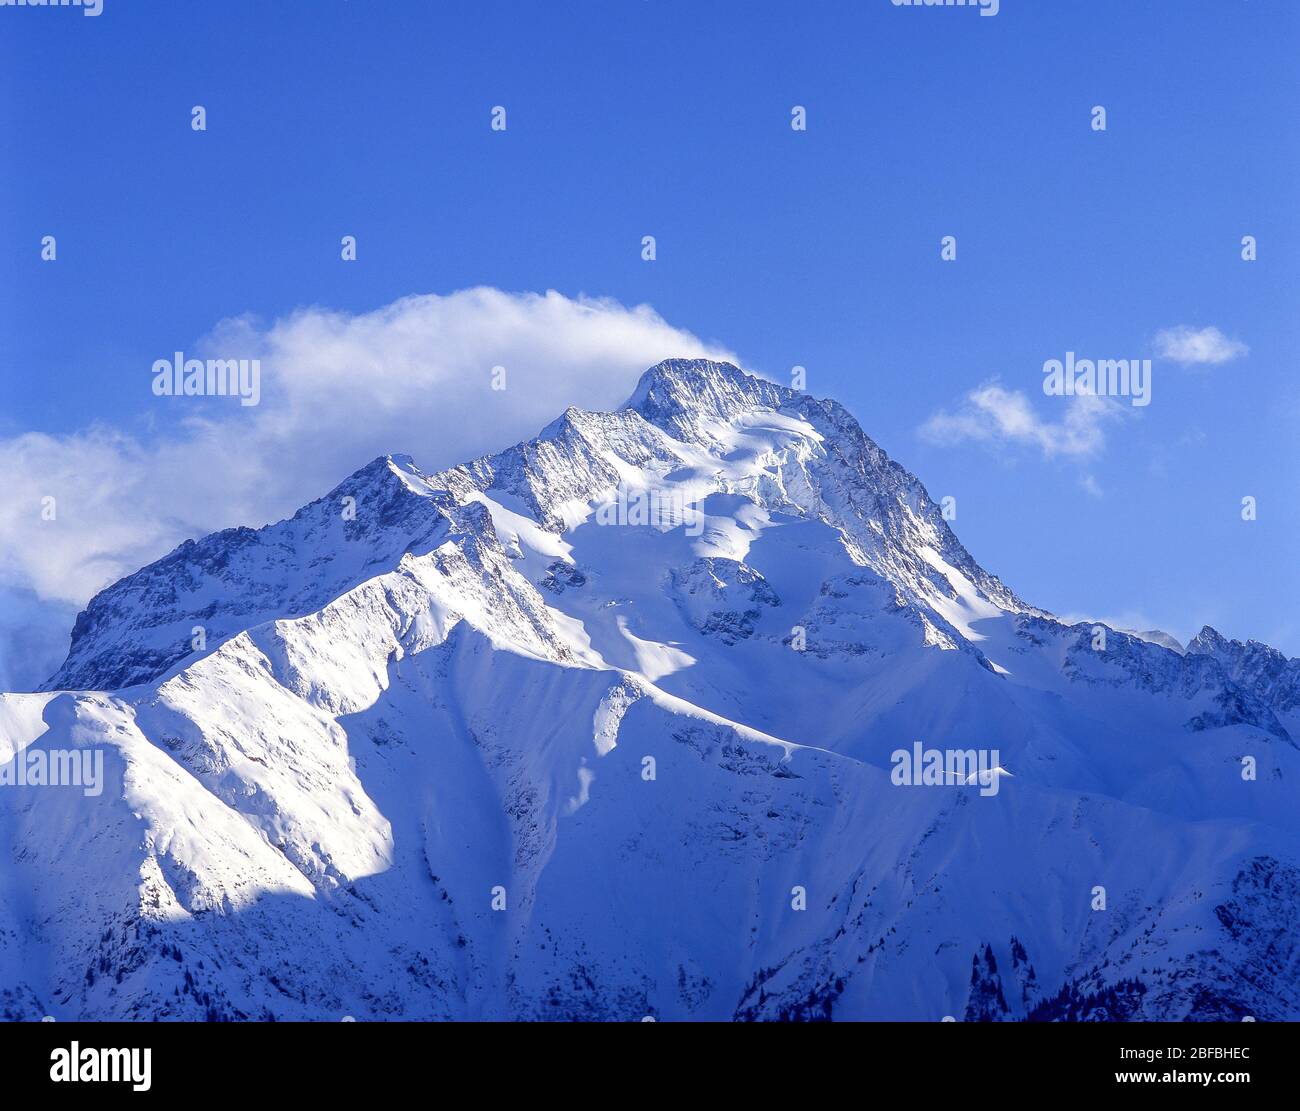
x=1135 y=622
x=994 y=415
x=1197 y=346
x=420 y=370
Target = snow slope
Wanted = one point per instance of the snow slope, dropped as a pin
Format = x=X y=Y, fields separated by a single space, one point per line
x=602 y=726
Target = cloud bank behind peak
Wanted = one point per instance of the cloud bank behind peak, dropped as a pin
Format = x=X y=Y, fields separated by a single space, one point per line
x=337 y=389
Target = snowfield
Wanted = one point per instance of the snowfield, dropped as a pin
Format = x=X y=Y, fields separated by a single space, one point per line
x=488 y=744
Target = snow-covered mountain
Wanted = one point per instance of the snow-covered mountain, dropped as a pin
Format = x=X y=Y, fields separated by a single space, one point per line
x=605 y=726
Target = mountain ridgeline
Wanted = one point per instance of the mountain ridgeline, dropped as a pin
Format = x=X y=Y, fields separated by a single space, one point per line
x=605 y=725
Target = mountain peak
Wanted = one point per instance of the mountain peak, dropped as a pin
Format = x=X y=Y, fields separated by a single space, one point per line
x=678 y=373
x=383 y=469
x=1207 y=641
x=675 y=392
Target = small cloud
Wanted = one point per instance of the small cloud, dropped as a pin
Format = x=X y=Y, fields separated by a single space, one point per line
x=1133 y=622
x=991 y=414
x=1197 y=346
x=1091 y=486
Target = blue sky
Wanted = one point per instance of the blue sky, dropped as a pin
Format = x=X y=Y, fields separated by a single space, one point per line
x=817 y=248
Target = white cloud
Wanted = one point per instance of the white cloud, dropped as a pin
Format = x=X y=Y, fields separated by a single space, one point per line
x=991 y=414
x=337 y=390
x=1195 y=346
x=1137 y=624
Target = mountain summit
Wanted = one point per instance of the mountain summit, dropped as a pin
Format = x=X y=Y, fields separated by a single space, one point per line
x=450 y=745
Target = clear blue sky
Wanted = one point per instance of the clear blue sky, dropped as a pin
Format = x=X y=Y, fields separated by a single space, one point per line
x=671 y=117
